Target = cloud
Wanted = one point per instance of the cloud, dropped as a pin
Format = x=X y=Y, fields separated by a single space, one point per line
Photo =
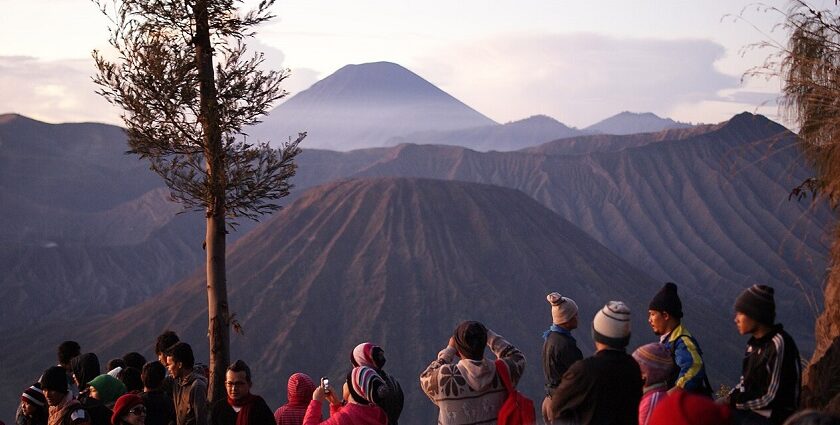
x=53 y=91
x=578 y=78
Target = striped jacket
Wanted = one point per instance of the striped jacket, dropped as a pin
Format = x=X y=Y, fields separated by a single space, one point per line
x=689 y=359
x=771 y=377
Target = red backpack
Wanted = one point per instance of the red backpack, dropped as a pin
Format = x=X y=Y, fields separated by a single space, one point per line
x=517 y=409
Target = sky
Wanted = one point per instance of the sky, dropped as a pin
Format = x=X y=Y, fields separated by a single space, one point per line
x=576 y=61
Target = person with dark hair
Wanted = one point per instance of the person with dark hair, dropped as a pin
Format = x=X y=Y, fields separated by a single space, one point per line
x=241 y=406
x=115 y=366
x=357 y=409
x=85 y=367
x=33 y=407
x=66 y=351
x=665 y=318
x=130 y=377
x=390 y=396
x=605 y=388
x=129 y=410
x=299 y=391
x=469 y=390
x=63 y=408
x=189 y=391
x=163 y=342
x=771 y=374
x=560 y=348
x=135 y=360
x=159 y=407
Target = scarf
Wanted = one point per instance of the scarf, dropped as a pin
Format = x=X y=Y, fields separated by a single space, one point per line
x=57 y=413
x=245 y=405
x=560 y=330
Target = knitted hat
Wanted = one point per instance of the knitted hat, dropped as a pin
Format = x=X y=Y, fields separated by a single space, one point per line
x=667 y=300
x=123 y=405
x=758 y=303
x=655 y=361
x=470 y=339
x=563 y=309
x=108 y=388
x=611 y=325
x=362 y=382
x=55 y=378
x=683 y=408
x=34 y=395
x=368 y=354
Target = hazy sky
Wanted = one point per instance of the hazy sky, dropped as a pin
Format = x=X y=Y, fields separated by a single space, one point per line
x=577 y=61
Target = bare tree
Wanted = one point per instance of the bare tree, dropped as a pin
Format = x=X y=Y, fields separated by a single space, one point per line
x=188 y=89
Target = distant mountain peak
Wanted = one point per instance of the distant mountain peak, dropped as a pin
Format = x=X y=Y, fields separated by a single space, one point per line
x=627 y=122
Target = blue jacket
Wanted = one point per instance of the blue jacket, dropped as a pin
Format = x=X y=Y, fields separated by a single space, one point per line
x=689 y=360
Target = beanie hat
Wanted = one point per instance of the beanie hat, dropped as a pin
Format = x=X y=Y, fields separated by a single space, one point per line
x=758 y=303
x=108 y=388
x=123 y=405
x=55 y=379
x=667 y=300
x=563 y=309
x=34 y=395
x=683 y=408
x=470 y=339
x=655 y=361
x=611 y=325
x=368 y=354
x=362 y=382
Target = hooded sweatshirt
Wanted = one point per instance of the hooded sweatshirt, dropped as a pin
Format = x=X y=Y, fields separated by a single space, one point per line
x=349 y=414
x=470 y=391
x=299 y=393
x=85 y=368
x=190 y=397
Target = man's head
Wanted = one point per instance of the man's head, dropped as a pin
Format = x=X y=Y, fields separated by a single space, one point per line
x=54 y=385
x=238 y=380
x=66 y=351
x=755 y=306
x=152 y=375
x=179 y=359
x=134 y=359
x=665 y=310
x=564 y=310
x=163 y=342
x=470 y=339
x=611 y=325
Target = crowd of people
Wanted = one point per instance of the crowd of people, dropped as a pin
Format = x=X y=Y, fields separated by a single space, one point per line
x=663 y=382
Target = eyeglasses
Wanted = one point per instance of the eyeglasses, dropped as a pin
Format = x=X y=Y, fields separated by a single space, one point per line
x=235 y=383
x=137 y=410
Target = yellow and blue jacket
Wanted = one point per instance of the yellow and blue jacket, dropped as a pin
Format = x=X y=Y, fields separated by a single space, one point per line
x=689 y=359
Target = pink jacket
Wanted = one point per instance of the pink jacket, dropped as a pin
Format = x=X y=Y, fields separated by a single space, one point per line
x=349 y=414
x=651 y=397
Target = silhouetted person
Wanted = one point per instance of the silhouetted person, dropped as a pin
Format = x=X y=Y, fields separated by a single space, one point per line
x=771 y=374
x=63 y=408
x=33 y=407
x=66 y=351
x=130 y=377
x=560 y=349
x=135 y=360
x=241 y=406
x=605 y=388
x=389 y=396
x=159 y=407
x=85 y=367
x=163 y=342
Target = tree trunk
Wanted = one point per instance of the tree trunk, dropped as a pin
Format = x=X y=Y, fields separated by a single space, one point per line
x=218 y=331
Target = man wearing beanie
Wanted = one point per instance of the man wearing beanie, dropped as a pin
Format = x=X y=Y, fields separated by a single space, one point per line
x=607 y=387
x=771 y=372
x=64 y=410
x=665 y=318
x=463 y=384
x=560 y=349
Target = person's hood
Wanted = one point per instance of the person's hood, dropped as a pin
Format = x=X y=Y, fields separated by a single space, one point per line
x=300 y=389
x=85 y=367
x=478 y=373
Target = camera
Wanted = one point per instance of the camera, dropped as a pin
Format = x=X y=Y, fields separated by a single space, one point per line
x=325 y=384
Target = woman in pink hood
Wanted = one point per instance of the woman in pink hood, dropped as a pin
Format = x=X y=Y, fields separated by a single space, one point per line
x=357 y=408
x=299 y=393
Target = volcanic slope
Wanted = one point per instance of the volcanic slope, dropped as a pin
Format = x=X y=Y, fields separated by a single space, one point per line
x=392 y=260
x=365 y=105
x=710 y=211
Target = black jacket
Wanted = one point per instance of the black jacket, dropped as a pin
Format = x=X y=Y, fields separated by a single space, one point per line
x=559 y=353
x=160 y=410
x=604 y=389
x=390 y=397
x=771 y=376
x=222 y=414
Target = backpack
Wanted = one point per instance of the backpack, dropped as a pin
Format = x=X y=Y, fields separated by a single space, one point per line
x=517 y=409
